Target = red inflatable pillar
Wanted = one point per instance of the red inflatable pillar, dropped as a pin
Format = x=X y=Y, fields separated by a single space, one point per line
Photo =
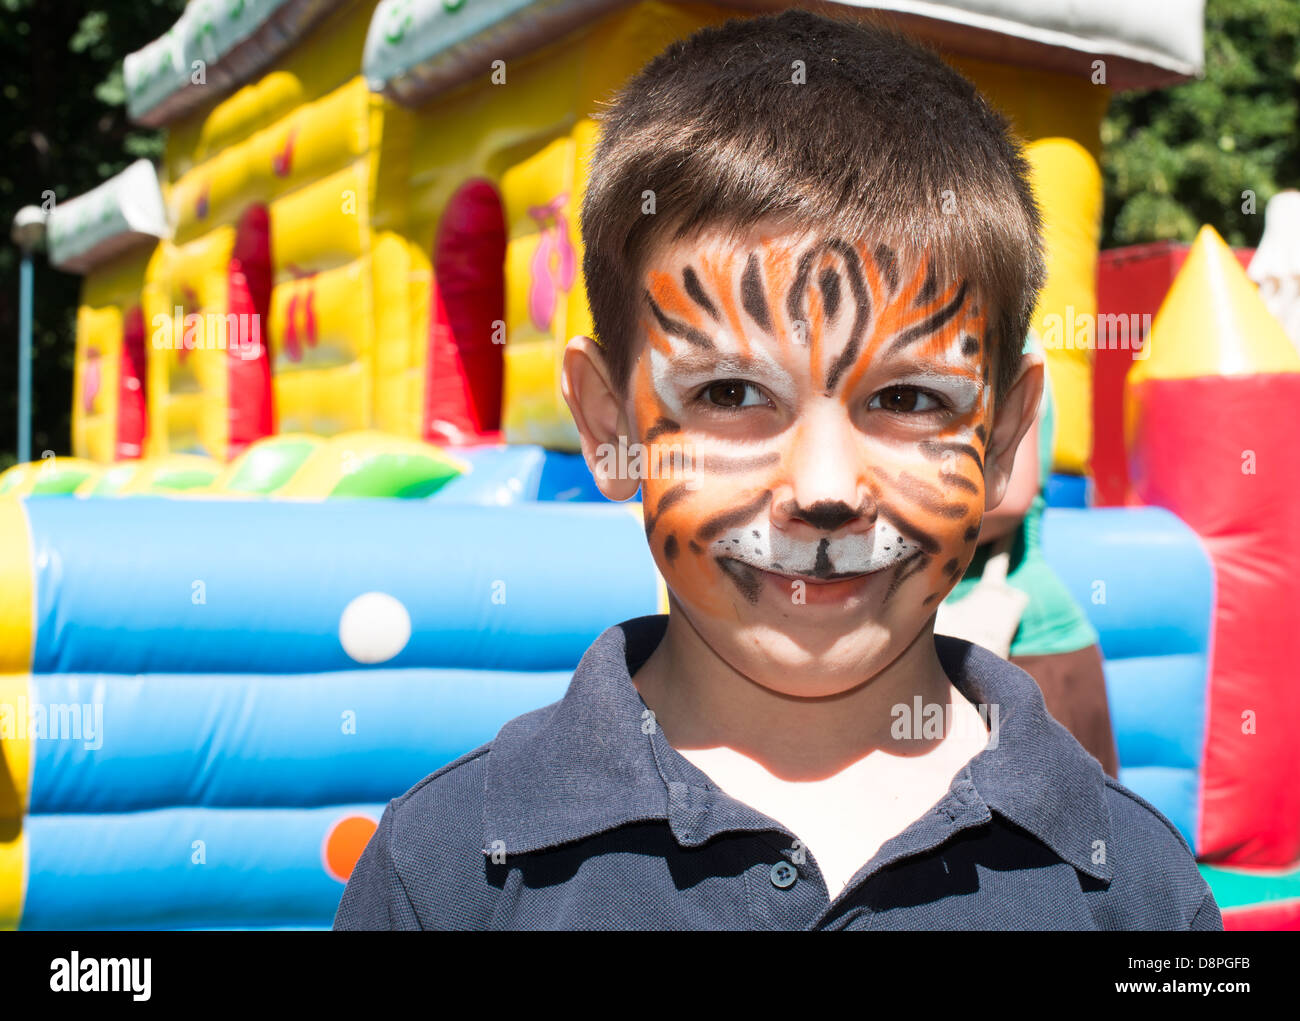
x=1212 y=416
x=462 y=393
x=132 y=389
x=251 y=397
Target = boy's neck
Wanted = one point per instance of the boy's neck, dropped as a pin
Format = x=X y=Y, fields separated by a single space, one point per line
x=700 y=702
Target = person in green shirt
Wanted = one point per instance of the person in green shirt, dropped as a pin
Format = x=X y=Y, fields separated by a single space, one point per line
x=1054 y=642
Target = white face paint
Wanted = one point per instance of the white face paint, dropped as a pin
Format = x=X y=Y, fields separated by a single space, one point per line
x=961 y=393
x=825 y=559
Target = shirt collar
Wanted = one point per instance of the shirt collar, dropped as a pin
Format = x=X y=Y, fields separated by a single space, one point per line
x=595 y=760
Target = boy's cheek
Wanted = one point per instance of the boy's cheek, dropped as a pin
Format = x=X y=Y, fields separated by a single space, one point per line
x=686 y=567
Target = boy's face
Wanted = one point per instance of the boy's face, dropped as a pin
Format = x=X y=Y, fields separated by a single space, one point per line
x=831 y=411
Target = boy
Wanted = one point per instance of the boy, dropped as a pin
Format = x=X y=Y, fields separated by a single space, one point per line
x=822 y=321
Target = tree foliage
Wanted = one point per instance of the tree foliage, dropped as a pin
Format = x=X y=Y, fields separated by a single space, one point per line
x=63 y=129
x=1177 y=158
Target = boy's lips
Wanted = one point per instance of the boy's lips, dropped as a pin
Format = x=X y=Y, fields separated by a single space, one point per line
x=833 y=590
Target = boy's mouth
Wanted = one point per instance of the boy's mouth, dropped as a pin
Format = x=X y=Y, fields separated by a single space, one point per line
x=819 y=561
x=815 y=579
x=817 y=590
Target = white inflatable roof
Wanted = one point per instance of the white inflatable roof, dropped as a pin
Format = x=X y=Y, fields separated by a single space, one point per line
x=124 y=211
x=1156 y=42
x=214 y=47
x=417 y=48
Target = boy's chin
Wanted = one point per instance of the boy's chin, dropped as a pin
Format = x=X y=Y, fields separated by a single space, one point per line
x=808 y=659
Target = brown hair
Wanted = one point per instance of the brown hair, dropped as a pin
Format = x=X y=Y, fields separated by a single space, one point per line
x=883 y=141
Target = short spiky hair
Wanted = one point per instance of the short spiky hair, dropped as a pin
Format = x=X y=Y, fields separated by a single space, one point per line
x=882 y=141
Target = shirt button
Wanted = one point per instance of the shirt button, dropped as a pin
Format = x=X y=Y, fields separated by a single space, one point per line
x=783 y=875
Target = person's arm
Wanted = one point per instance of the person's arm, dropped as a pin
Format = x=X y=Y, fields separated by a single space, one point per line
x=374 y=897
x=1208 y=918
x=1021 y=490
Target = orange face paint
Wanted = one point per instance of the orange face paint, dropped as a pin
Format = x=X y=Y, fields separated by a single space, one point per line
x=833 y=402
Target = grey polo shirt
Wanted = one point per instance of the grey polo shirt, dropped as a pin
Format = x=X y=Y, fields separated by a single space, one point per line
x=580 y=815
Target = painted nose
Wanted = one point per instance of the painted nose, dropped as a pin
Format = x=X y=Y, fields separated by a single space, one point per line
x=824 y=485
x=826 y=515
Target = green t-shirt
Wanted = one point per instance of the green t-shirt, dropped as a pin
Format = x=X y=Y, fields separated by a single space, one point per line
x=1052 y=621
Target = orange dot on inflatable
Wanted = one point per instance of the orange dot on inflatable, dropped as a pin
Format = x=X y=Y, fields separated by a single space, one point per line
x=344 y=843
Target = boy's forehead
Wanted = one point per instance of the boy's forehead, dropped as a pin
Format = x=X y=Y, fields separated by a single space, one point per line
x=720 y=242
x=792 y=298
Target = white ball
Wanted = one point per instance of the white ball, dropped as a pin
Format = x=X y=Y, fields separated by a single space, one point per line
x=374 y=627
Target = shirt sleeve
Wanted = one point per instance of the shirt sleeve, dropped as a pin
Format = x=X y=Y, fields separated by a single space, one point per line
x=1207 y=917
x=375 y=897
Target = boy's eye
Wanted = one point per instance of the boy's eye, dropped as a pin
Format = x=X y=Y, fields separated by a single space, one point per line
x=733 y=393
x=905 y=399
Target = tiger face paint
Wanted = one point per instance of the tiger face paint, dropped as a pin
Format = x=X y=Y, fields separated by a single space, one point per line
x=836 y=405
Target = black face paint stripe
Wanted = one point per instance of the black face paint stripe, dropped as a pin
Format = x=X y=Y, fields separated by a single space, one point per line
x=678 y=329
x=719 y=523
x=935 y=450
x=951 y=511
x=822 y=562
x=670 y=548
x=743 y=576
x=670 y=497
x=829 y=282
x=661 y=427
x=928 y=288
x=861 y=312
x=794 y=299
x=931 y=324
x=888 y=264
x=696 y=291
x=751 y=294
x=981 y=433
x=927 y=542
x=929 y=497
x=905 y=569
x=960 y=481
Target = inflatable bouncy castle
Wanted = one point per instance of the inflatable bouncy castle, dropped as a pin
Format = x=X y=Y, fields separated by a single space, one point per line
x=325 y=528
x=1206 y=388
x=366 y=214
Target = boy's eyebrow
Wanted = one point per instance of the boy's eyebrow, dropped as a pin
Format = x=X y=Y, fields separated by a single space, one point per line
x=925 y=369
x=699 y=362
x=917 y=369
x=921 y=364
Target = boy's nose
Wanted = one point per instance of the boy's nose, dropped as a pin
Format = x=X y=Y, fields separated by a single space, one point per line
x=823 y=483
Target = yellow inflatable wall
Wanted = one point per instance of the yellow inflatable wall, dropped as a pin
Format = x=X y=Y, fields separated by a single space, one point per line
x=109 y=296
x=355 y=192
x=541 y=134
x=299 y=146
x=1059 y=118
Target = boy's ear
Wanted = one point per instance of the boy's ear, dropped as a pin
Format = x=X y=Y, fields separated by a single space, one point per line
x=1012 y=417
x=599 y=415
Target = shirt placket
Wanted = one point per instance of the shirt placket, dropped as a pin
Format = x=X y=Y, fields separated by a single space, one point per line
x=790 y=892
x=699 y=811
x=961 y=808
x=784 y=886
